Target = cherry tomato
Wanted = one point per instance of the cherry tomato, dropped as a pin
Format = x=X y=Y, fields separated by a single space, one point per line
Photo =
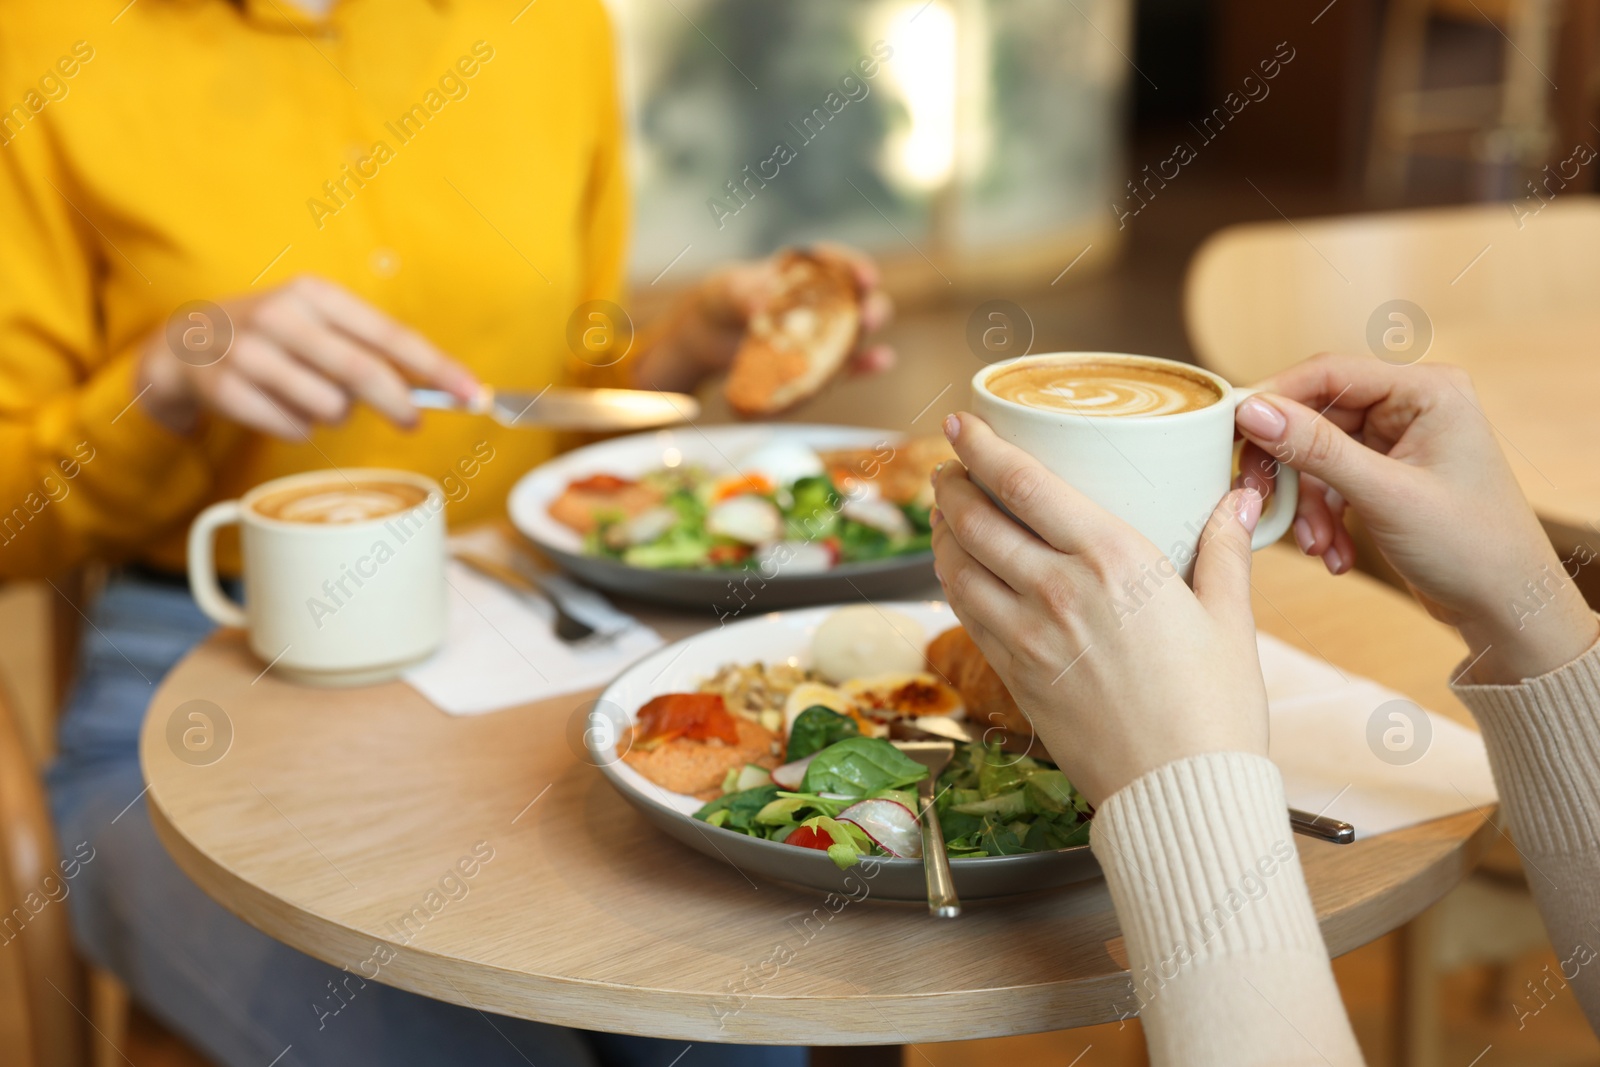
x=810 y=837
x=725 y=554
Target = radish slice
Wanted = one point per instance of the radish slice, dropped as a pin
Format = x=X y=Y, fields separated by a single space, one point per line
x=879 y=514
x=890 y=824
x=792 y=775
x=751 y=519
x=794 y=557
x=649 y=525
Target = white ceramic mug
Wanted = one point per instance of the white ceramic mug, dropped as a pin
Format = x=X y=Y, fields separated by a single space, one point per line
x=348 y=603
x=1162 y=474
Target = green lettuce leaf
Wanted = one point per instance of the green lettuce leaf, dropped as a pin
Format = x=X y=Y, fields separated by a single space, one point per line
x=850 y=842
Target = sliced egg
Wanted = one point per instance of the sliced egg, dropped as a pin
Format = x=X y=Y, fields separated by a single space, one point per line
x=738 y=485
x=809 y=694
x=751 y=519
x=782 y=462
x=904 y=694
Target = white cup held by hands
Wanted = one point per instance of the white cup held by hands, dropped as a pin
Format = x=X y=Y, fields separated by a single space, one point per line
x=1161 y=473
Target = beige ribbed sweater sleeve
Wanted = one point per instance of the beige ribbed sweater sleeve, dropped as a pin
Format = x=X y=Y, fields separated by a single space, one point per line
x=1228 y=965
x=1544 y=745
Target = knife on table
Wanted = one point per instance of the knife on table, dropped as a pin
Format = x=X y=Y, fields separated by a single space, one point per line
x=569 y=409
x=1302 y=822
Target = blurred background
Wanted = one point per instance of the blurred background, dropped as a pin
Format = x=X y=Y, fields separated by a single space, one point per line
x=1058 y=163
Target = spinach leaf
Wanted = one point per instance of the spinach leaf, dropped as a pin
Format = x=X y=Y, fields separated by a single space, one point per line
x=815 y=729
x=741 y=809
x=958 y=825
x=857 y=766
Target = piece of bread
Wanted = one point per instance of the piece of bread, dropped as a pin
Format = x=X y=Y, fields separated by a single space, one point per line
x=956 y=657
x=800 y=339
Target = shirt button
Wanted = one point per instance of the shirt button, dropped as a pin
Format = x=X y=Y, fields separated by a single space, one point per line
x=354 y=152
x=385 y=262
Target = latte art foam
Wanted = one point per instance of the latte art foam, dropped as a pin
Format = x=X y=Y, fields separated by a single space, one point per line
x=1103 y=396
x=1103 y=389
x=341 y=503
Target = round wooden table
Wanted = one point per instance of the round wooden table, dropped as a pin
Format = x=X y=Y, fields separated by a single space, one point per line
x=339 y=822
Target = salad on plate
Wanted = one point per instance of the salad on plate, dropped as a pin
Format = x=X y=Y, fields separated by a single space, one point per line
x=801 y=755
x=785 y=505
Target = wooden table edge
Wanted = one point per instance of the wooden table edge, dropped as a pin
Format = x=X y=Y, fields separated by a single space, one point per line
x=858 y=1019
x=1360 y=924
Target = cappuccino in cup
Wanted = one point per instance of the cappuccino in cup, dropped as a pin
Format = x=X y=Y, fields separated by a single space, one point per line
x=1090 y=387
x=1148 y=439
x=343 y=573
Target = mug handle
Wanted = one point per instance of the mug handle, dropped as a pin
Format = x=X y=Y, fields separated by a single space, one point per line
x=203 y=582
x=1279 y=513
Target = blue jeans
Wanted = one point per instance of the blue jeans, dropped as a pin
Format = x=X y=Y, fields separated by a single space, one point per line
x=236 y=994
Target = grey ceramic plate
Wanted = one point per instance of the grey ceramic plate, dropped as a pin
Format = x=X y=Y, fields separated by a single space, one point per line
x=771 y=639
x=724 y=593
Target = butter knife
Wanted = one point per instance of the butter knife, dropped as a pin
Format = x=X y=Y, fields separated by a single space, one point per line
x=569 y=409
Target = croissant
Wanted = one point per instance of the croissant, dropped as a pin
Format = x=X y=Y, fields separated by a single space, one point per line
x=957 y=658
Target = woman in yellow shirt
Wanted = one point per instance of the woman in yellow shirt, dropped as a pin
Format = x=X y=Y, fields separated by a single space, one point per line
x=366 y=195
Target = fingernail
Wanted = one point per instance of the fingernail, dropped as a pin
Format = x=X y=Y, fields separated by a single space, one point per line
x=935 y=517
x=1302 y=535
x=1253 y=481
x=933 y=475
x=1248 y=508
x=1260 y=419
x=952 y=428
x=937 y=575
x=1333 y=560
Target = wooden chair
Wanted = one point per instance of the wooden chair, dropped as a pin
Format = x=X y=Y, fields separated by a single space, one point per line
x=1260 y=297
x=1514 y=121
x=54 y=1010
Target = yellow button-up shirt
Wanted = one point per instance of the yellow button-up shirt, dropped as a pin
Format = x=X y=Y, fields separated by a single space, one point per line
x=456 y=163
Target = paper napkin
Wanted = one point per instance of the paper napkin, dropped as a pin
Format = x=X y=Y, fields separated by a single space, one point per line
x=500 y=650
x=1353 y=750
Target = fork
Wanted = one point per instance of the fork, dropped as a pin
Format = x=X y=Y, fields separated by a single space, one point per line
x=568 y=627
x=934 y=755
